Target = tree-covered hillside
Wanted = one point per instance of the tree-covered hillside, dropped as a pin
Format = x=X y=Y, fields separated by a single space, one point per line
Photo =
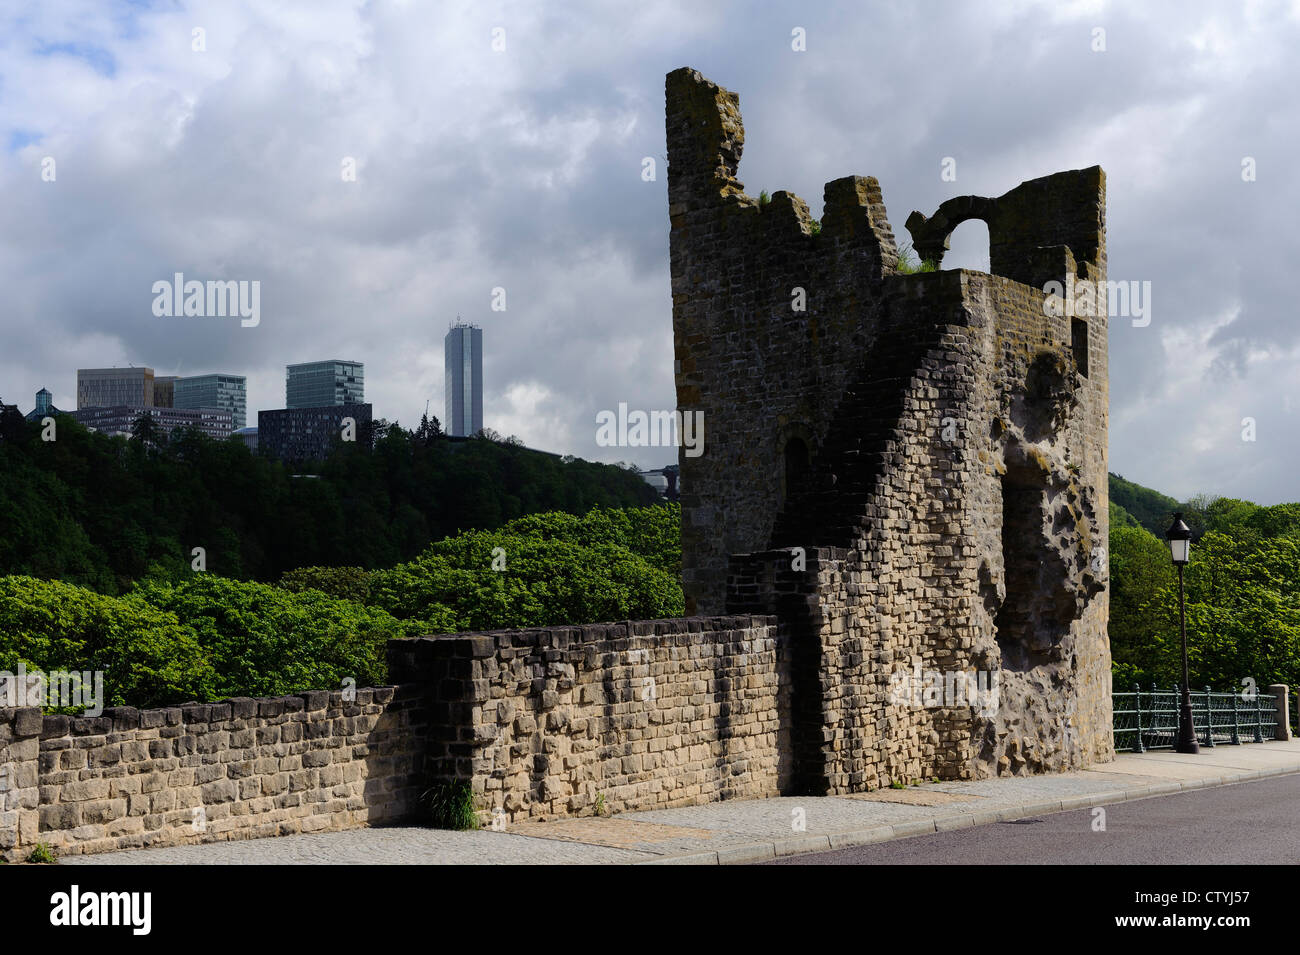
x=207 y=637
x=1145 y=507
x=102 y=512
x=1243 y=591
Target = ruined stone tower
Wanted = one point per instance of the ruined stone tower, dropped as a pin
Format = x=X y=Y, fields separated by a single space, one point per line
x=909 y=470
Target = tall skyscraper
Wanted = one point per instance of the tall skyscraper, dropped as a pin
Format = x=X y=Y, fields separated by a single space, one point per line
x=319 y=384
x=109 y=387
x=227 y=392
x=463 y=373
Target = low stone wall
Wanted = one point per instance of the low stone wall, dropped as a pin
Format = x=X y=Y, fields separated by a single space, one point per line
x=562 y=720
x=637 y=715
x=241 y=768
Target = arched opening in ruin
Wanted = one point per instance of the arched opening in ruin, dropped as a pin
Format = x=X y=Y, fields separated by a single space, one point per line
x=969 y=247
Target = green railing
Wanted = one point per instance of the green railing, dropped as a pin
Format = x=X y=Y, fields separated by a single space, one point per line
x=1148 y=719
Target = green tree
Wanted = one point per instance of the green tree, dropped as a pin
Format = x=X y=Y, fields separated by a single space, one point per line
x=1140 y=569
x=148 y=657
x=1243 y=614
x=104 y=511
x=266 y=641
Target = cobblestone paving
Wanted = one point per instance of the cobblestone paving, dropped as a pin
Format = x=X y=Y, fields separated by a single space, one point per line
x=619 y=831
x=398 y=845
x=915 y=796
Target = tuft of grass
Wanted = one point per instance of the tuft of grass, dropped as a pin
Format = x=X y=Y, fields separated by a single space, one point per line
x=898 y=784
x=601 y=808
x=41 y=854
x=451 y=806
x=764 y=198
x=908 y=263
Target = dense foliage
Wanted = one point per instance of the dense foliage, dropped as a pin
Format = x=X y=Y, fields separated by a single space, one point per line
x=555 y=569
x=265 y=641
x=152 y=657
x=1242 y=590
x=104 y=512
x=426 y=535
x=204 y=637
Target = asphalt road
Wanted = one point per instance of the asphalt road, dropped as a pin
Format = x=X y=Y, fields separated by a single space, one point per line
x=1246 y=824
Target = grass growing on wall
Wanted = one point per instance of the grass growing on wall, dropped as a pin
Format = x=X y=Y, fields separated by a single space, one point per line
x=908 y=264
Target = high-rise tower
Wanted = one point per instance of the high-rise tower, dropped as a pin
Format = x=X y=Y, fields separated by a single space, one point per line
x=463 y=364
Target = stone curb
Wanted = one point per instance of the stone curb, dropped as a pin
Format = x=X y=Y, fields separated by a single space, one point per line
x=798 y=845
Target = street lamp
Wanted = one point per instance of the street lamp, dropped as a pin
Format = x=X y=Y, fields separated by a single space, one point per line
x=1179 y=537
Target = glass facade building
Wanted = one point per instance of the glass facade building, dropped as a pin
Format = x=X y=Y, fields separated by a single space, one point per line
x=114 y=387
x=164 y=390
x=321 y=384
x=463 y=377
x=120 y=419
x=44 y=407
x=225 y=392
x=310 y=434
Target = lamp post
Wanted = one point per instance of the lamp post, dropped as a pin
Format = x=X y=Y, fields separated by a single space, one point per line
x=1179 y=537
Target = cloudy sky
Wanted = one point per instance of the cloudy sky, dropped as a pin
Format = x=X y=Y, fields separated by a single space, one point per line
x=500 y=145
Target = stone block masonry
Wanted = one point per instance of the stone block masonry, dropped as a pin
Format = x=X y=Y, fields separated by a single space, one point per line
x=238 y=769
x=931 y=447
x=636 y=715
x=562 y=720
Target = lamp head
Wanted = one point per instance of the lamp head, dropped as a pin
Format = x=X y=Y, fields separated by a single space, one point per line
x=1179 y=537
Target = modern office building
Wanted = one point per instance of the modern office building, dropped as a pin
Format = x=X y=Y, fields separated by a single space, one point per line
x=44 y=407
x=309 y=434
x=318 y=384
x=227 y=392
x=119 y=419
x=115 y=387
x=463 y=373
x=248 y=436
x=164 y=390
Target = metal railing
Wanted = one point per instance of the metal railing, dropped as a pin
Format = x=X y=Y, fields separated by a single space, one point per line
x=1148 y=719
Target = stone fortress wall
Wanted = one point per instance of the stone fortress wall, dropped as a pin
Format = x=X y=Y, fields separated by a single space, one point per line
x=936 y=441
x=901 y=472
x=545 y=722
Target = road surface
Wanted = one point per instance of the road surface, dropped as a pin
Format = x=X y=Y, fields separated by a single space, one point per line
x=1247 y=824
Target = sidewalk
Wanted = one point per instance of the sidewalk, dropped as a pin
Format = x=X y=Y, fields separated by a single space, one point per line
x=748 y=830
